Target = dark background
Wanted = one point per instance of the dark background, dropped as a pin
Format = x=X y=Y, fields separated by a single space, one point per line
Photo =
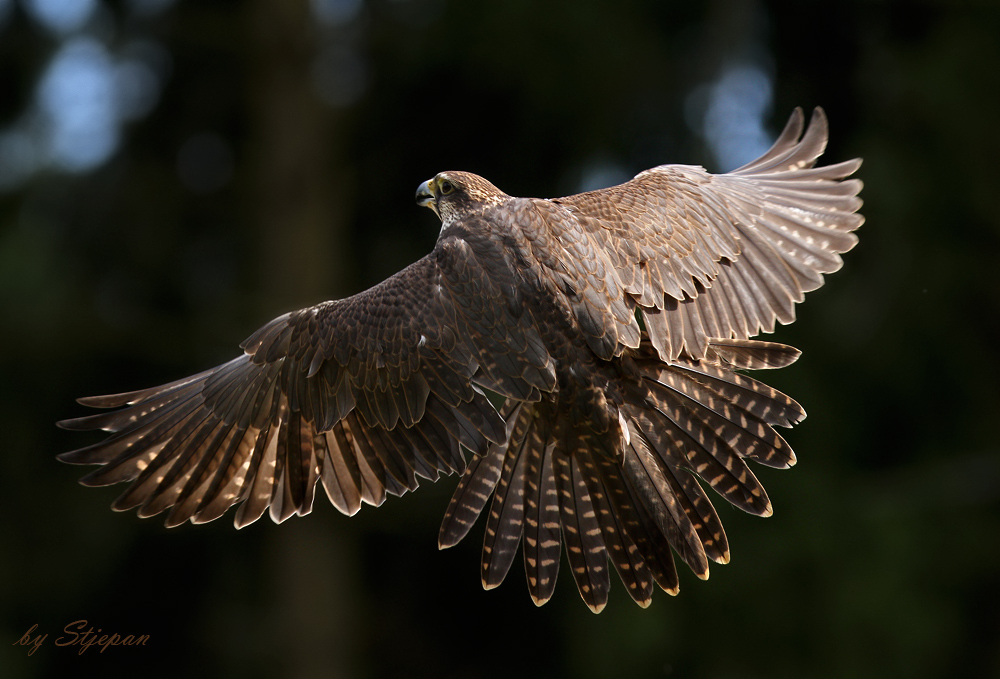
x=262 y=156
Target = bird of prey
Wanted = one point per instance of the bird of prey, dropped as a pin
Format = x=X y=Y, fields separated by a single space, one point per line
x=614 y=326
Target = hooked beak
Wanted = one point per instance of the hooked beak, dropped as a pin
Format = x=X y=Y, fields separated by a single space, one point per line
x=425 y=195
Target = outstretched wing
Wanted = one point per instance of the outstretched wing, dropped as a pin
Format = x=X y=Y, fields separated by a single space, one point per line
x=363 y=394
x=724 y=256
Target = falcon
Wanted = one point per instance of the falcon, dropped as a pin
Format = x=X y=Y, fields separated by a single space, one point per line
x=614 y=328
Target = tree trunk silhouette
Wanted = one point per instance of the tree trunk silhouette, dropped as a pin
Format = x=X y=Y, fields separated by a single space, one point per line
x=299 y=215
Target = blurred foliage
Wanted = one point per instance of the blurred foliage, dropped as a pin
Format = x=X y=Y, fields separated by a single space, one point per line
x=882 y=558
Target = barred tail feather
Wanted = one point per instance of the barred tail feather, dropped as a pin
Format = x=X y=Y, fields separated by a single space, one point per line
x=631 y=497
x=702 y=421
x=585 y=550
x=542 y=531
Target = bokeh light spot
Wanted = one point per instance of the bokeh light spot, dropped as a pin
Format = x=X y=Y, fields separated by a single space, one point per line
x=336 y=12
x=77 y=97
x=60 y=16
x=735 y=106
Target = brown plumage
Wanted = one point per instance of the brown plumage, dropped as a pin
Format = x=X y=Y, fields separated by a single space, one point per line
x=612 y=322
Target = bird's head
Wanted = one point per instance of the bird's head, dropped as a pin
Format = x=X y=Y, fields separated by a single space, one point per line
x=453 y=195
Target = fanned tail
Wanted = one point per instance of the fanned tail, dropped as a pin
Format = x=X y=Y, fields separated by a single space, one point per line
x=630 y=495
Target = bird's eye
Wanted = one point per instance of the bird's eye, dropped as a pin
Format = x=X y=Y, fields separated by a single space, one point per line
x=446 y=187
